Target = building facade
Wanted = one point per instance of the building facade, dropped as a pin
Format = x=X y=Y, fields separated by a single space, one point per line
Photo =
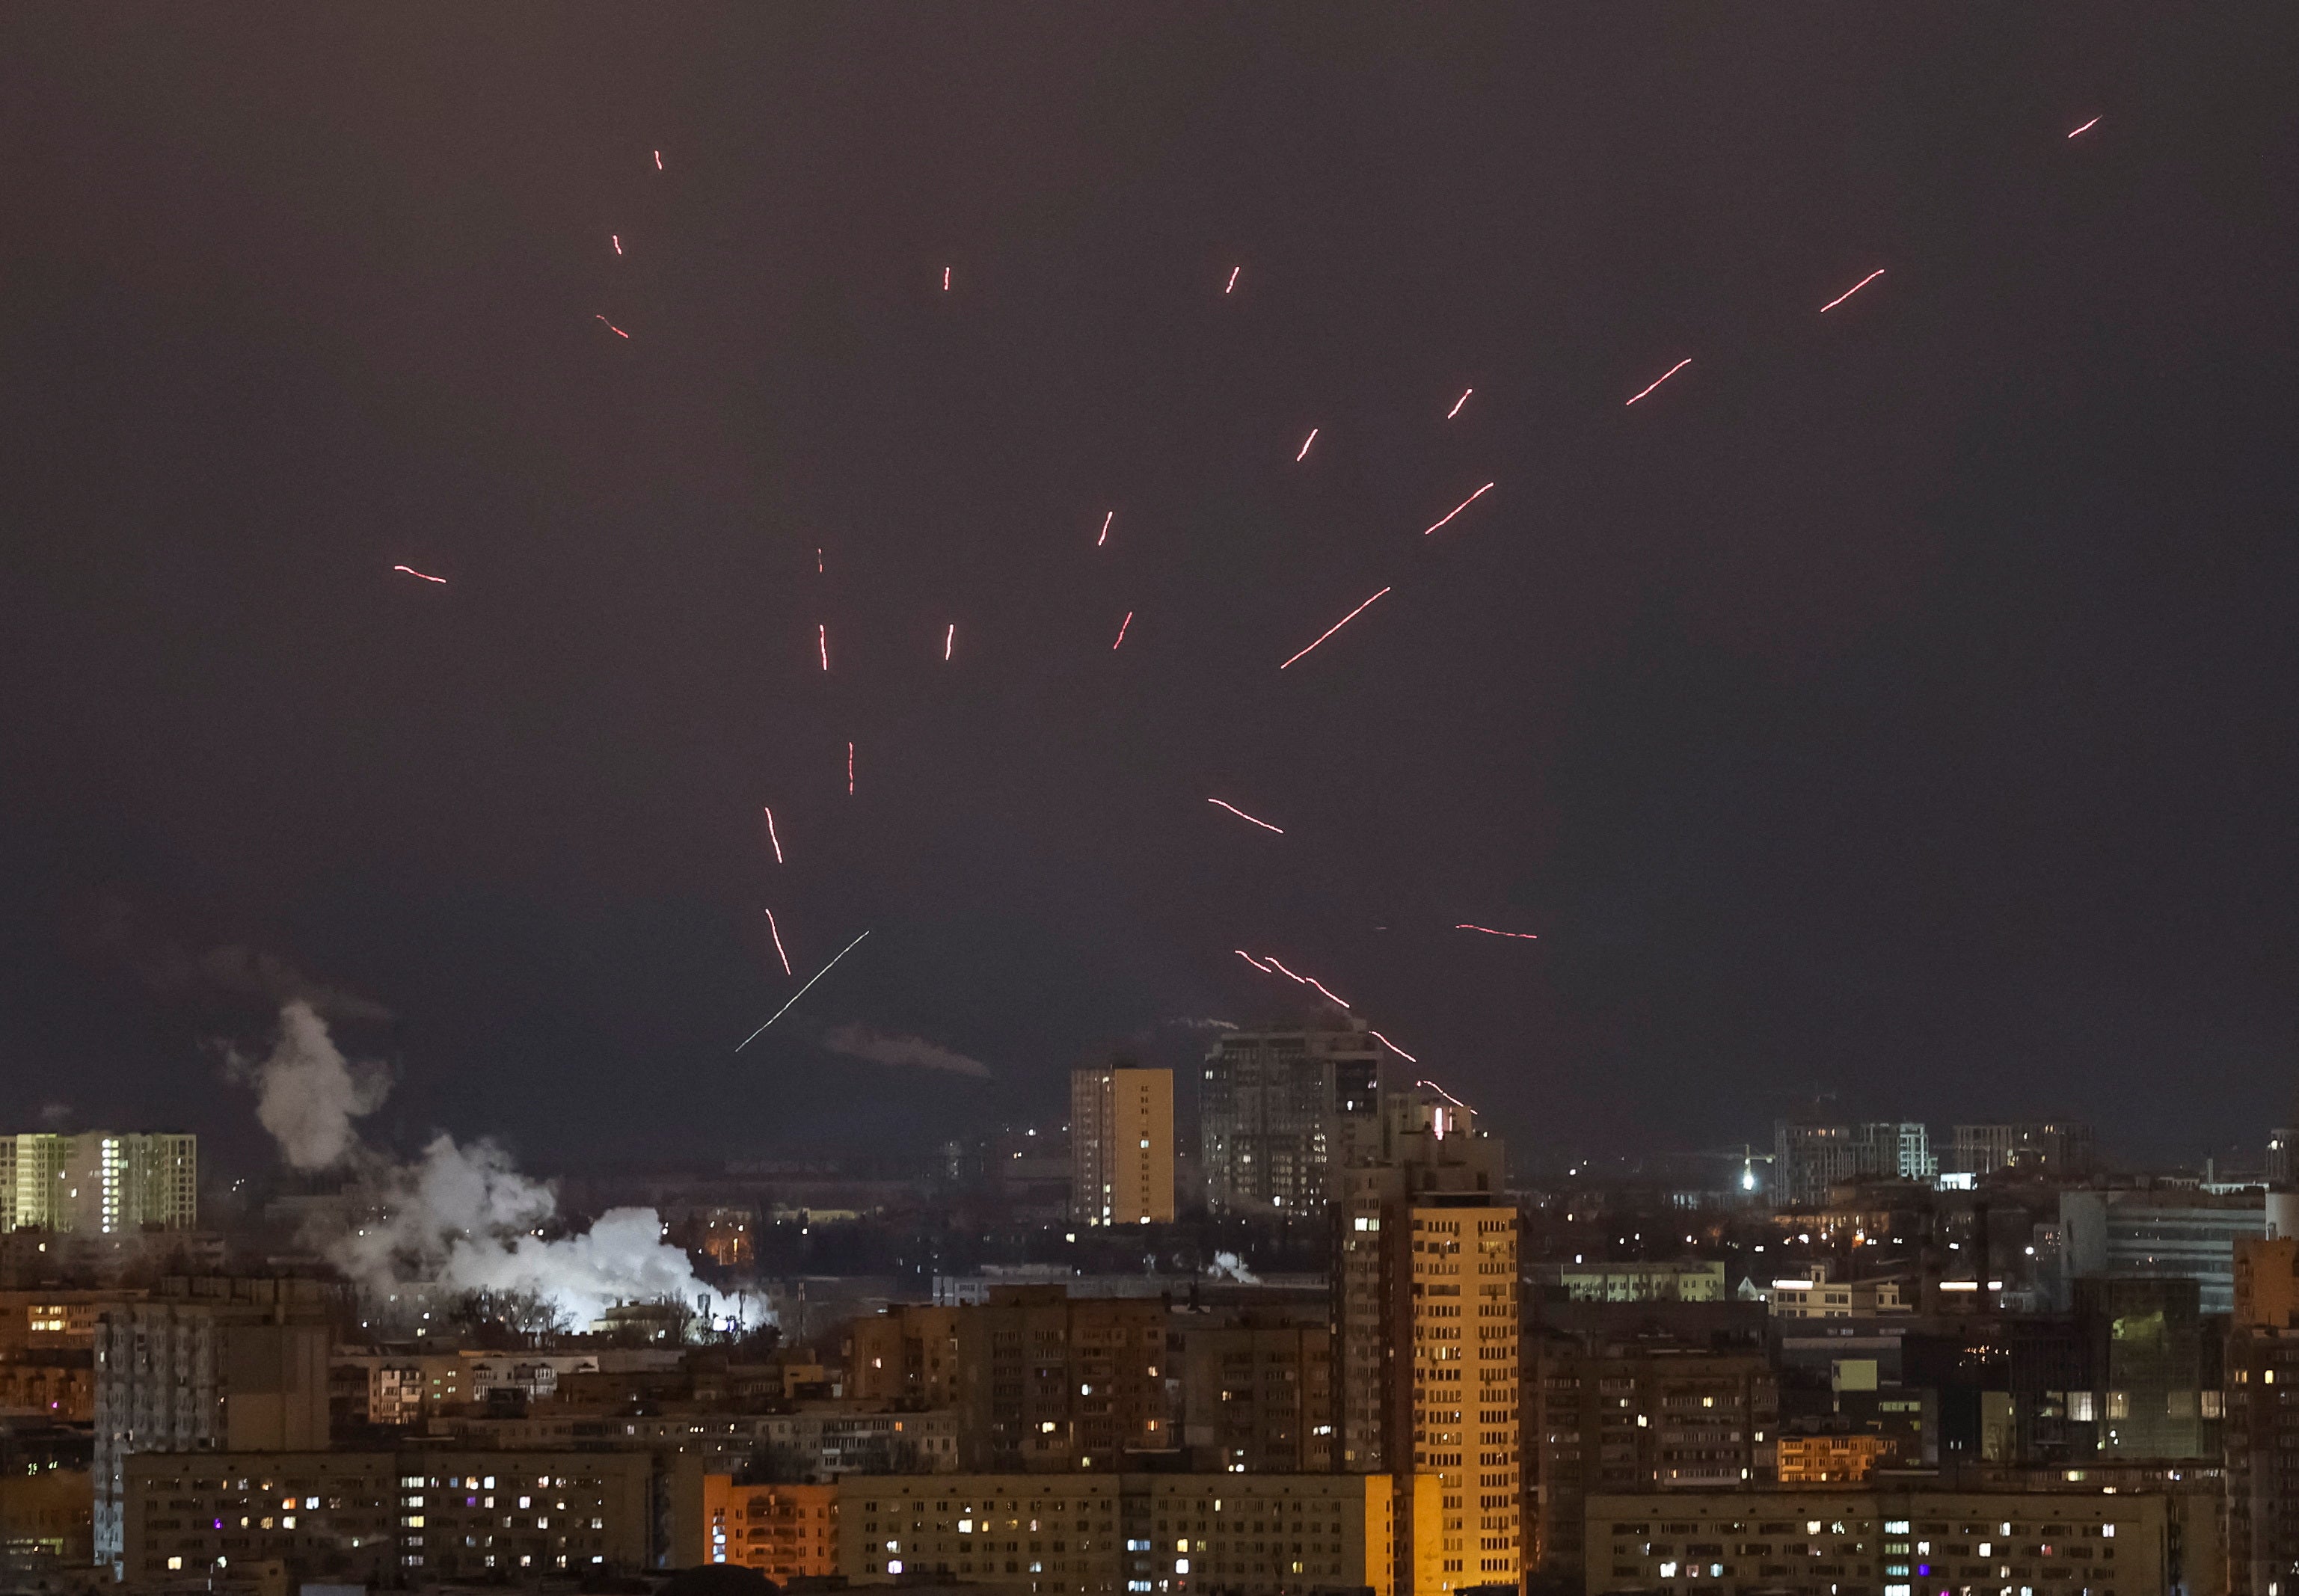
x=784 y=1532
x=1257 y=1397
x=2062 y=1148
x=1833 y=1542
x=219 y=1366
x=2152 y=1234
x=1041 y=1380
x=1282 y=1113
x=1427 y=1320
x=1611 y=1415
x=1122 y=1146
x=392 y=1518
x=1086 y=1534
x=100 y=1182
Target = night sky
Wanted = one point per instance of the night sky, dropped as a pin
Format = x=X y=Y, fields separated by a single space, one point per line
x=1897 y=703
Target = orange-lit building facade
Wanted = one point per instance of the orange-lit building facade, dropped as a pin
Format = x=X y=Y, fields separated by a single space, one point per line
x=784 y=1532
x=1830 y=1460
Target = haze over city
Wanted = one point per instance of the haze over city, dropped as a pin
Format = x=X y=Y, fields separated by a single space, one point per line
x=1290 y=800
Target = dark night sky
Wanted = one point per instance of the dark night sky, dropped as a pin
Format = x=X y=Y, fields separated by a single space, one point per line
x=1898 y=702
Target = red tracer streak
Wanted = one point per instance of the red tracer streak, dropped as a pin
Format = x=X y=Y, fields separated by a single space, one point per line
x=776 y=931
x=949 y=640
x=822 y=641
x=1250 y=960
x=617 y=240
x=610 y=326
x=1121 y=628
x=1242 y=815
x=1457 y=404
x=849 y=769
x=1337 y=626
x=1232 y=278
x=1307 y=981
x=1489 y=931
x=1305 y=441
x=1456 y=509
x=771 y=837
x=1664 y=376
x=1105 y=529
x=427 y=575
x=1854 y=288
x=2087 y=128
x=1391 y=1046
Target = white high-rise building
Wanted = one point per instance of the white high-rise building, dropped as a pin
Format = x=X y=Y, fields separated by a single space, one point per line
x=102 y=1181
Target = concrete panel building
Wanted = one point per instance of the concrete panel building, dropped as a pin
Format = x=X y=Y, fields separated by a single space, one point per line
x=1122 y=1146
x=1829 y=1543
x=1085 y=1534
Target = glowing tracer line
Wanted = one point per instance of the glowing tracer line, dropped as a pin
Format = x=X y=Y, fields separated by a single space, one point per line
x=1456 y=509
x=776 y=931
x=1242 y=815
x=1337 y=626
x=427 y=575
x=801 y=992
x=1664 y=376
x=1854 y=288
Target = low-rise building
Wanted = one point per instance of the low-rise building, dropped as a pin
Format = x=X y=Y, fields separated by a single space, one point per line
x=1689 y=1280
x=1811 y=1295
x=1900 y=1542
x=1069 y=1535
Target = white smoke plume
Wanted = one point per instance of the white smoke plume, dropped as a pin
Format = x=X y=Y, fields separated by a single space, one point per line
x=860 y=1042
x=1229 y=1265
x=461 y=1219
x=307 y=1094
x=464 y=1219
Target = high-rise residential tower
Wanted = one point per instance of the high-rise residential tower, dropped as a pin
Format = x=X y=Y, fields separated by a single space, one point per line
x=99 y=1181
x=1122 y=1146
x=1426 y=1307
x=1282 y=1113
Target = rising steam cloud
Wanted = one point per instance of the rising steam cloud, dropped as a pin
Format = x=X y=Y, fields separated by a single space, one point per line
x=307 y=1094
x=463 y=1218
x=860 y=1042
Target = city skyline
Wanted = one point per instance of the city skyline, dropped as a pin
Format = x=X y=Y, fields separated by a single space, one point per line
x=527 y=568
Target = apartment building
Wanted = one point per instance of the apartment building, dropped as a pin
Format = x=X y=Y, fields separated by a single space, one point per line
x=1830 y=1542
x=1041 y=1380
x=392 y=1517
x=99 y=1182
x=1611 y=1415
x=1257 y=1397
x=784 y=1532
x=1087 y=1534
x=1122 y=1146
x=206 y=1365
